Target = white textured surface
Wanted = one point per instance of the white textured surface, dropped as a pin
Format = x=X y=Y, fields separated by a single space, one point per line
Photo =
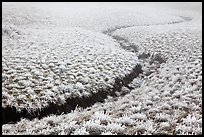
x=169 y=100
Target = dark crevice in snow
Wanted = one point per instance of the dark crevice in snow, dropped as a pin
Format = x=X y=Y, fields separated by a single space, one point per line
x=151 y=62
x=124 y=43
x=143 y=55
x=10 y=32
x=11 y=115
x=186 y=19
x=109 y=31
x=158 y=58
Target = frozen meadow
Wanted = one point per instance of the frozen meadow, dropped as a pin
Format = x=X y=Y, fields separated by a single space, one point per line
x=102 y=68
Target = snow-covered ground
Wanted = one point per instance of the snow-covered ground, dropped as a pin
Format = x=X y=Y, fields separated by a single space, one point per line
x=55 y=51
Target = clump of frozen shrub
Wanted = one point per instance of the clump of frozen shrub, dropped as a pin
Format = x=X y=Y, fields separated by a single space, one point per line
x=139 y=116
x=80 y=131
x=108 y=133
x=94 y=126
x=115 y=128
x=125 y=120
x=190 y=125
x=100 y=115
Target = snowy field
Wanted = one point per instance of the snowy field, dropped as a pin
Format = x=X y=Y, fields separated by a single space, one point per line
x=102 y=68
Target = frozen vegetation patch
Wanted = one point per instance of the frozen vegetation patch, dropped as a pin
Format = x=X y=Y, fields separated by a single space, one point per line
x=72 y=63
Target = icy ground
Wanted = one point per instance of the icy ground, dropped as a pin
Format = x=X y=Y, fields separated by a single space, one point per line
x=55 y=51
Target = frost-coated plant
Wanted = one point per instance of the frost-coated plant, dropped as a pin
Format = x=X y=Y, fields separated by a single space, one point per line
x=162 y=117
x=93 y=125
x=125 y=120
x=80 y=131
x=139 y=116
x=108 y=133
x=102 y=116
x=115 y=128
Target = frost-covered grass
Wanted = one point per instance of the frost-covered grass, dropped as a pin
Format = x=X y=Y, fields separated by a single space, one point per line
x=78 y=60
x=49 y=53
x=52 y=65
x=60 y=64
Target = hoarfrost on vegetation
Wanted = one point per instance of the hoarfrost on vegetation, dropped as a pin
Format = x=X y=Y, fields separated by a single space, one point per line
x=65 y=61
x=75 y=64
